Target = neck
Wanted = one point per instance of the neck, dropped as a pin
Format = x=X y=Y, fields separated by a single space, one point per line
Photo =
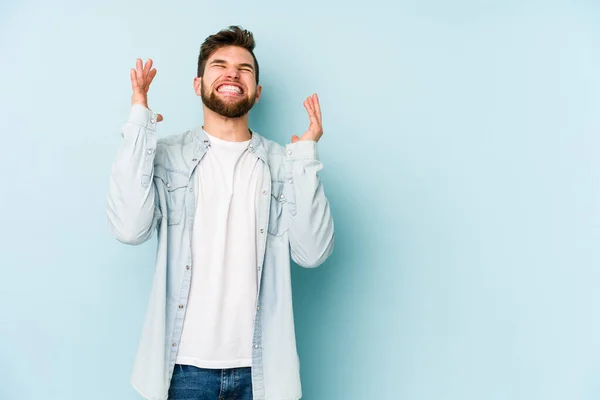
x=230 y=129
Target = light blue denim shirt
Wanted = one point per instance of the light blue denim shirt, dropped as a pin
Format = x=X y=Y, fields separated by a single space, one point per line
x=153 y=187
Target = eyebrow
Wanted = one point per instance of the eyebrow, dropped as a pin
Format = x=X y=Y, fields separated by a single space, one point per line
x=218 y=61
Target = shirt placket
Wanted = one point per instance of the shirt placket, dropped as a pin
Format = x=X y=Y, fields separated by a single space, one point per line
x=190 y=204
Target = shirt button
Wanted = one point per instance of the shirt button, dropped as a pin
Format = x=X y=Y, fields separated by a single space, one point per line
x=289 y=152
x=265 y=192
x=149 y=151
x=291 y=180
x=194 y=159
x=181 y=306
x=174 y=344
x=262 y=231
x=256 y=346
x=168 y=185
x=191 y=190
x=282 y=196
x=257 y=308
x=187 y=267
x=152 y=121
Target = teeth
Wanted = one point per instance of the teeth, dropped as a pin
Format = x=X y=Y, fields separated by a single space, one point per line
x=230 y=88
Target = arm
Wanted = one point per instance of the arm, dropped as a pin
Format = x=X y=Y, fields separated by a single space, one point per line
x=311 y=229
x=132 y=207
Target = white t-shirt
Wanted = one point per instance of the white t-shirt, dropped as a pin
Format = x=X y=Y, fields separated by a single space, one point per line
x=217 y=331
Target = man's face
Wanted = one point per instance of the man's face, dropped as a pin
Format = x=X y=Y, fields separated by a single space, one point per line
x=228 y=86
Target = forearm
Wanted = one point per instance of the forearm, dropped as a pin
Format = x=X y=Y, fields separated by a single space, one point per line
x=131 y=204
x=311 y=229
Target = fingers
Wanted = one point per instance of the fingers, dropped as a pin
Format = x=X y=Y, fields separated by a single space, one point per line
x=308 y=104
x=134 y=81
x=309 y=109
x=315 y=129
x=143 y=75
x=147 y=67
x=147 y=73
x=138 y=72
x=313 y=104
x=159 y=117
x=151 y=76
x=317 y=108
x=295 y=138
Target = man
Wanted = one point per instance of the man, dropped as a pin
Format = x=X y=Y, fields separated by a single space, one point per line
x=230 y=207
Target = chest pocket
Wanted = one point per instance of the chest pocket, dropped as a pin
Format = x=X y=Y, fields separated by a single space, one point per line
x=174 y=184
x=278 y=220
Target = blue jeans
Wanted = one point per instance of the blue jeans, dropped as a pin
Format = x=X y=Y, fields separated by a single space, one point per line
x=193 y=383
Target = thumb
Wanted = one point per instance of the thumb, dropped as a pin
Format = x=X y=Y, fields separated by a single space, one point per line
x=295 y=138
x=159 y=117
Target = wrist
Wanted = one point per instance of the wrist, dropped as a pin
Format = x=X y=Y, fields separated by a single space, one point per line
x=301 y=150
x=142 y=115
x=140 y=103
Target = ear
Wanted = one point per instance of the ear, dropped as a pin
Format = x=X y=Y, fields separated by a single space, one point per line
x=258 y=92
x=197 y=86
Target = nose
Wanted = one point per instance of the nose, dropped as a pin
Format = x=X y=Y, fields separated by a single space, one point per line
x=232 y=72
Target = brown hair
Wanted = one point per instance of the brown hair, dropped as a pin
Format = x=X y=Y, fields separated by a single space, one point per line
x=232 y=36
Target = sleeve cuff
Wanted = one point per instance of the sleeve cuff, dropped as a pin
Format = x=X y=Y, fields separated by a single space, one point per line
x=301 y=150
x=143 y=116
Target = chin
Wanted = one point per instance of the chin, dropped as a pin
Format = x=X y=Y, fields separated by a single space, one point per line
x=231 y=99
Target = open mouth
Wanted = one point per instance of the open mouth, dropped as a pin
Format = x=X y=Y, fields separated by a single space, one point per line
x=229 y=89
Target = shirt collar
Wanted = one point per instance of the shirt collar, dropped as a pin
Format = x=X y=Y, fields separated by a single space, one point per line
x=256 y=145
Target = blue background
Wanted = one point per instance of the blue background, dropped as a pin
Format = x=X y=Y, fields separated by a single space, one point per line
x=461 y=154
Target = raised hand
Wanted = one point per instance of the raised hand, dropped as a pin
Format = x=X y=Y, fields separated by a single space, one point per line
x=315 y=129
x=141 y=78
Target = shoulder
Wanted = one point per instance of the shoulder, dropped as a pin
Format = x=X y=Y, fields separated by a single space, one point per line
x=272 y=148
x=175 y=140
x=171 y=149
x=275 y=157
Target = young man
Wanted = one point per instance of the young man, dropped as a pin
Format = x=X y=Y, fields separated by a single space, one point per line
x=230 y=207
